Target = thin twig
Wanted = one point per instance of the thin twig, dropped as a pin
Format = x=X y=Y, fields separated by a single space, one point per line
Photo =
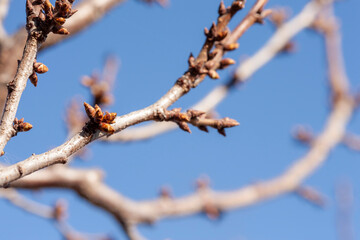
x=40 y=22
x=26 y=204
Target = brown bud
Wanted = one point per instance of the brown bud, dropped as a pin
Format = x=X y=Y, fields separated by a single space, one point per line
x=203 y=128
x=211 y=211
x=90 y=111
x=98 y=115
x=24 y=127
x=60 y=20
x=222 y=131
x=2 y=153
x=191 y=60
x=237 y=5
x=213 y=54
x=34 y=79
x=228 y=122
x=221 y=35
x=62 y=31
x=107 y=128
x=184 y=126
x=213 y=74
x=226 y=62
x=231 y=46
x=222 y=8
x=184 y=117
x=47 y=6
x=206 y=31
x=40 y=68
x=195 y=113
x=73 y=12
x=109 y=117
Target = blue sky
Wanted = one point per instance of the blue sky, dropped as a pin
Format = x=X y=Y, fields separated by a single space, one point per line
x=153 y=44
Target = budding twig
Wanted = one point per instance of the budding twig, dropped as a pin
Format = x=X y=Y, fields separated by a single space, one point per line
x=198 y=119
x=42 y=18
x=62 y=153
x=245 y=70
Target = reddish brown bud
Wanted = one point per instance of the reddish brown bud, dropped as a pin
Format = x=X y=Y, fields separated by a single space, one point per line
x=24 y=127
x=222 y=8
x=203 y=128
x=2 y=153
x=34 y=79
x=221 y=35
x=184 y=117
x=62 y=31
x=107 y=128
x=211 y=211
x=98 y=116
x=213 y=54
x=222 y=131
x=109 y=117
x=90 y=111
x=60 y=20
x=47 y=6
x=40 y=68
x=237 y=5
x=184 y=126
x=231 y=46
x=191 y=60
x=213 y=74
x=226 y=62
x=206 y=31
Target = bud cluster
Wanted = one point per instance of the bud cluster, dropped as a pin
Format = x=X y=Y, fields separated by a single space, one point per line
x=21 y=126
x=198 y=119
x=37 y=68
x=100 y=120
x=48 y=18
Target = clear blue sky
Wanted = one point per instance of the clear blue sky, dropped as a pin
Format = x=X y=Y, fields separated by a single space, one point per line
x=153 y=45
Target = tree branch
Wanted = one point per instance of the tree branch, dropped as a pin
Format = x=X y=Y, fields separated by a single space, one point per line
x=275 y=44
x=191 y=78
x=26 y=204
x=40 y=22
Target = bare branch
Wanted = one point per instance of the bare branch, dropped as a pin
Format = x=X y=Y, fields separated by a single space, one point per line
x=26 y=204
x=40 y=22
x=191 y=78
x=282 y=37
x=130 y=212
x=284 y=33
x=88 y=183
